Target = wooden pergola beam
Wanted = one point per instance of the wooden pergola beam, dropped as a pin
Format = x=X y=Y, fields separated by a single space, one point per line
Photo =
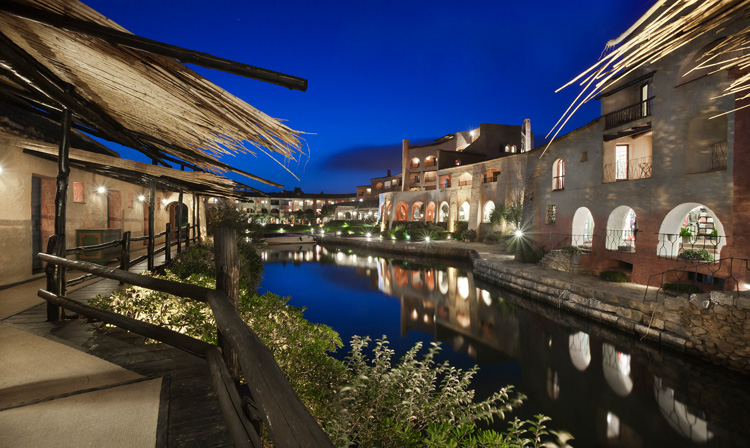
x=151 y=46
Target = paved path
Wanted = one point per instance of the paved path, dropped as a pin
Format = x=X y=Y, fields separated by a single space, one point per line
x=174 y=405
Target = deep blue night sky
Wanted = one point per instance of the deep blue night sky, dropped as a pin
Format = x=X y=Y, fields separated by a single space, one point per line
x=382 y=71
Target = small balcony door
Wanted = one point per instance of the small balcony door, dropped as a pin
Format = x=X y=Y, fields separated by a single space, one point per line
x=621 y=162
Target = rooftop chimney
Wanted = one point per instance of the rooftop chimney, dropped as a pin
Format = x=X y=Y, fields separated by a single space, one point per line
x=389 y=173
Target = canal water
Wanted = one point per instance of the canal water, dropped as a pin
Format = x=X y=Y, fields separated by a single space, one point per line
x=607 y=388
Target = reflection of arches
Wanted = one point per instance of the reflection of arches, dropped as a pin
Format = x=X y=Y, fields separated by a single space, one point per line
x=463 y=213
x=553 y=384
x=443 y=282
x=400 y=276
x=616 y=370
x=416 y=279
x=580 y=350
x=416 y=211
x=679 y=417
x=430 y=213
x=700 y=220
x=462 y=285
x=621 y=229
x=444 y=212
x=582 y=232
x=402 y=211
x=489 y=207
x=486 y=297
x=429 y=279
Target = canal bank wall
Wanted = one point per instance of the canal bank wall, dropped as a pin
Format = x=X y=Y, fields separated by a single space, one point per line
x=714 y=327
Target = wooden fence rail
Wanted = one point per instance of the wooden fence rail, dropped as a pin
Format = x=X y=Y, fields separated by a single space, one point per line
x=288 y=421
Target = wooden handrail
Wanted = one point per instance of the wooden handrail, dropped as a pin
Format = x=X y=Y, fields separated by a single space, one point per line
x=82 y=249
x=289 y=422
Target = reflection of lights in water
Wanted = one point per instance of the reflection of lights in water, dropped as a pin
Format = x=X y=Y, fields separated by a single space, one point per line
x=443 y=282
x=463 y=319
x=426 y=318
x=340 y=256
x=679 y=417
x=613 y=426
x=580 y=351
x=486 y=297
x=369 y=259
x=617 y=370
x=553 y=384
x=414 y=314
x=309 y=256
x=462 y=285
x=472 y=351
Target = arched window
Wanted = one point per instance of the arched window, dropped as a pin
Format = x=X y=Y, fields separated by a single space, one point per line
x=416 y=211
x=622 y=228
x=583 y=229
x=464 y=179
x=558 y=175
x=430 y=161
x=379 y=186
x=430 y=213
x=414 y=163
x=416 y=178
x=402 y=211
x=444 y=212
x=463 y=213
x=489 y=207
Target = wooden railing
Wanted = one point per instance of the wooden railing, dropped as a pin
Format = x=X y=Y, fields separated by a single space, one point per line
x=289 y=423
x=125 y=247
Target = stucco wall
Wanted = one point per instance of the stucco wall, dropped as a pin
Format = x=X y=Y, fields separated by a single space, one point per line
x=15 y=207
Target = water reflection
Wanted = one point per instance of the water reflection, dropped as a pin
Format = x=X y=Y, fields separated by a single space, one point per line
x=600 y=385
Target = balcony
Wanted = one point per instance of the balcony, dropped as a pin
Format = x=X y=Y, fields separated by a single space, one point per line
x=719 y=156
x=489 y=179
x=634 y=169
x=620 y=240
x=628 y=114
x=462 y=183
x=700 y=247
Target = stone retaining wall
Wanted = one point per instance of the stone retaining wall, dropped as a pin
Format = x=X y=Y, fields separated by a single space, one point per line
x=713 y=326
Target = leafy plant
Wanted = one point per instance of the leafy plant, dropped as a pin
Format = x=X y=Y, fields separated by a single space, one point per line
x=570 y=249
x=614 y=276
x=696 y=254
x=685 y=232
x=493 y=237
x=470 y=234
x=387 y=405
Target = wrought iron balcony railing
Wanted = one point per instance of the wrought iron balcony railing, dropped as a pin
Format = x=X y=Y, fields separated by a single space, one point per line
x=693 y=248
x=628 y=114
x=620 y=240
x=640 y=168
x=462 y=183
x=719 y=156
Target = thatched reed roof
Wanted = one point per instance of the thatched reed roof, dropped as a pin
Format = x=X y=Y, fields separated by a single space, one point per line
x=137 y=98
x=667 y=26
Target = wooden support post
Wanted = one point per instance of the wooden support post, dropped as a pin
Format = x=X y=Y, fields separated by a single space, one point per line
x=228 y=281
x=195 y=240
x=178 y=219
x=168 y=244
x=61 y=195
x=53 y=311
x=151 y=201
x=125 y=254
x=198 y=219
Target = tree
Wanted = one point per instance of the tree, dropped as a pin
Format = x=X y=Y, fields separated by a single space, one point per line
x=511 y=212
x=328 y=210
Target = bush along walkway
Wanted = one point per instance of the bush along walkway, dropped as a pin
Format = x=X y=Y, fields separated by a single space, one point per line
x=711 y=326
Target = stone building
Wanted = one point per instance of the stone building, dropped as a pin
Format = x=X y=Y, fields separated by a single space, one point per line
x=655 y=183
x=282 y=206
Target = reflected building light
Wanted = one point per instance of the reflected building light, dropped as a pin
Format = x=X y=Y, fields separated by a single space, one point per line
x=463 y=319
x=553 y=384
x=580 y=350
x=679 y=417
x=486 y=297
x=617 y=370
x=426 y=318
x=414 y=314
x=443 y=282
x=472 y=351
x=462 y=284
x=340 y=256
x=613 y=426
x=369 y=259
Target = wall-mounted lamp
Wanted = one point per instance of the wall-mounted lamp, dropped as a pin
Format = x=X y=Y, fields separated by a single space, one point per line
x=101 y=190
x=163 y=202
x=141 y=198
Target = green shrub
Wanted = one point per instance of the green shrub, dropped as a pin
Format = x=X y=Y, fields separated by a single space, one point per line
x=570 y=249
x=470 y=235
x=614 y=276
x=681 y=288
x=460 y=229
x=527 y=253
x=416 y=402
x=696 y=255
x=199 y=259
x=493 y=237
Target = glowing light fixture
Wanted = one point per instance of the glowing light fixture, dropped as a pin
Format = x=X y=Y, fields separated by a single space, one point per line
x=101 y=190
x=141 y=198
x=1 y=170
x=519 y=233
x=427 y=239
x=164 y=201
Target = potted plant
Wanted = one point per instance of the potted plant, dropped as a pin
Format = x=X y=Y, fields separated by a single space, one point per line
x=686 y=234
